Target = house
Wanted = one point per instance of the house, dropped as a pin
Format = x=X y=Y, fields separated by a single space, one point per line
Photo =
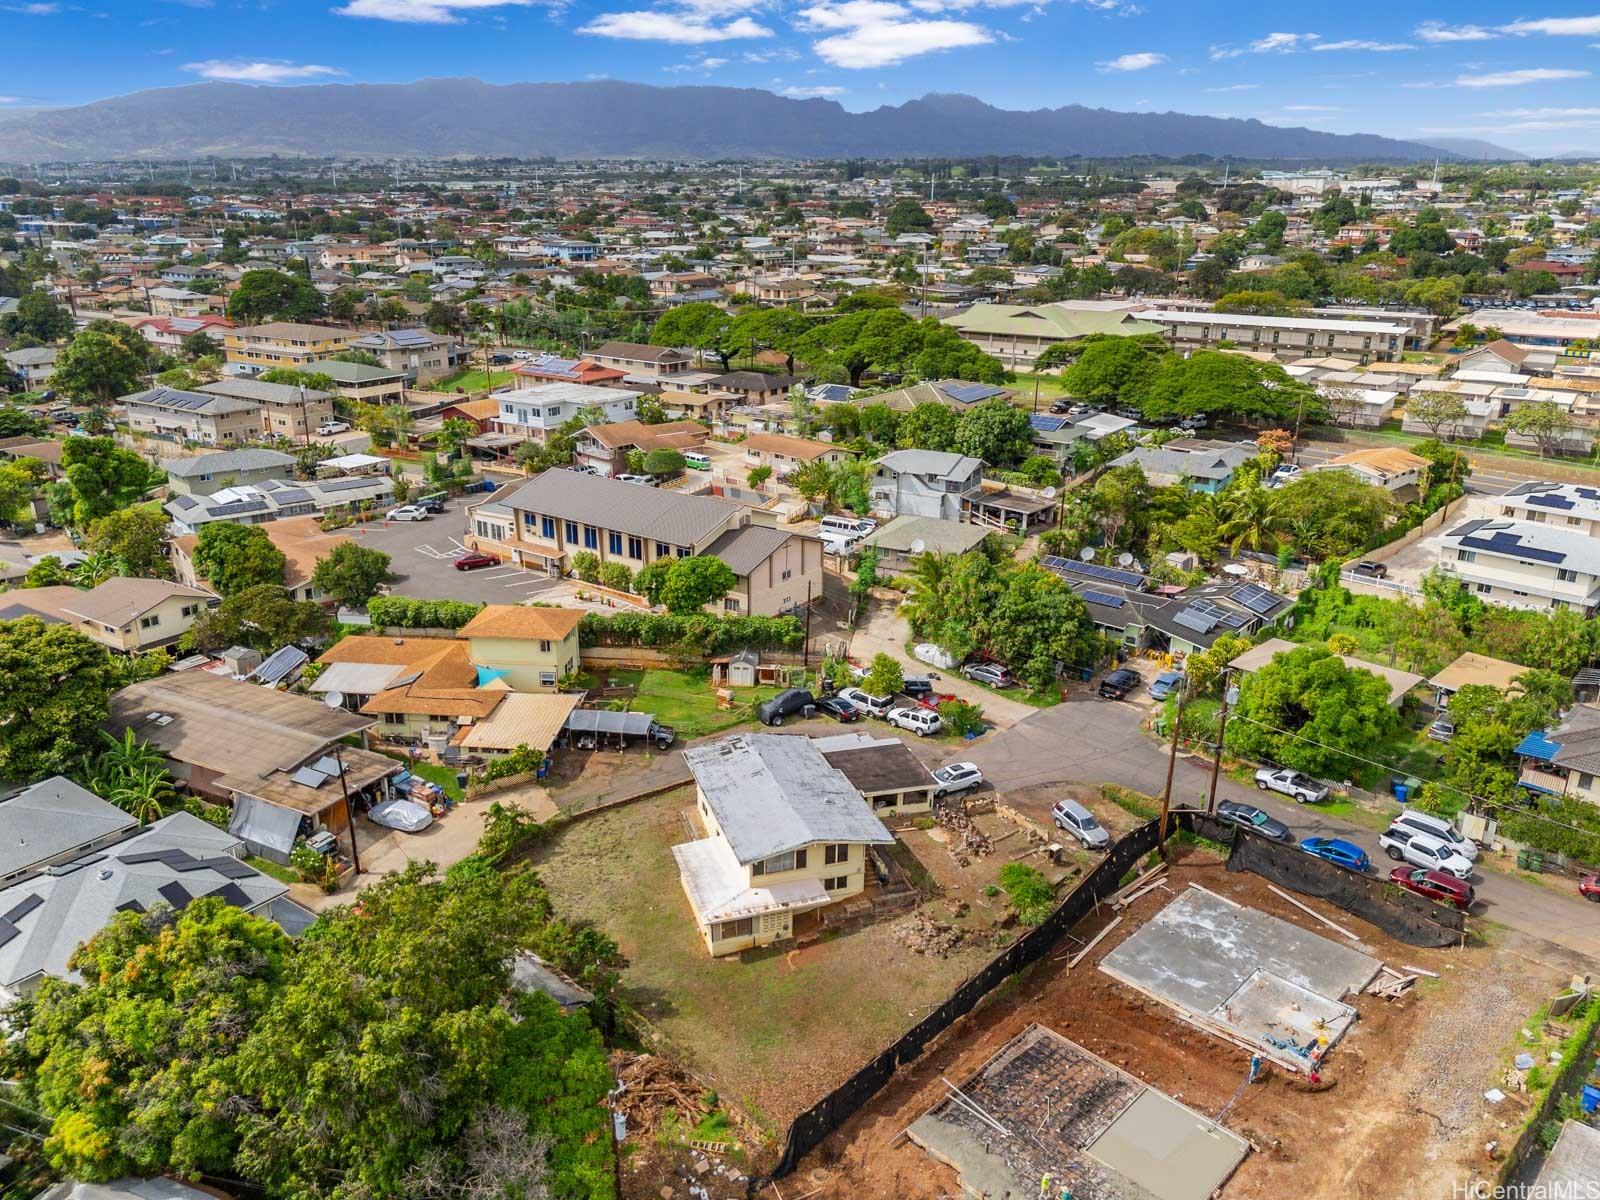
x=925 y=483
x=174 y=415
x=1521 y=564
x=1479 y=411
x=709 y=408
x=891 y=779
x=1205 y=467
x=531 y=647
x=1196 y=618
x=754 y=387
x=1018 y=334
x=419 y=354
x=203 y=474
x=560 y=513
x=252 y=504
x=285 y=410
x=632 y=358
x=274 y=756
x=300 y=539
x=53 y=822
x=172 y=861
x=252 y=349
x=1498 y=355
x=33 y=364
x=901 y=540
x=1565 y=760
x=1572 y=506
x=552 y=368
x=1388 y=467
x=784 y=454
x=1475 y=669
x=606 y=448
x=1400 y=682
x=786 y=834
x=359 y=383
x=416 y=687
x=125 y=614
x=167 y=333
x=538 y=411
x=952 y=393
x=1358 y=407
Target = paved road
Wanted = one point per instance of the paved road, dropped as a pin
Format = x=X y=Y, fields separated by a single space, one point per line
x=1100 y=741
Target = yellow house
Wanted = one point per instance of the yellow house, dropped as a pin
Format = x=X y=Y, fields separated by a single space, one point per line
x=787 y=834
x=252 y=349
x=124 y=614
x=530 y=648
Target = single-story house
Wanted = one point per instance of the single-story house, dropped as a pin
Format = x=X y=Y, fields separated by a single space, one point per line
x=1259 y=655
x=902 y=539
x=889 y=777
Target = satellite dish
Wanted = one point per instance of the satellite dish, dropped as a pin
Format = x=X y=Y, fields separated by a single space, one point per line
x=1124 y=559
x=1049 y=493
x=334 y=699
x=1087 y=554
x=918 y=546
x=1238 y=570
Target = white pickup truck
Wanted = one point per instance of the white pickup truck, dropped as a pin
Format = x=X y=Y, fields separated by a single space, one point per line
x=1303 y=788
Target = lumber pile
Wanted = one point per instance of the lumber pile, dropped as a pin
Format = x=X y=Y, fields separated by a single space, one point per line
x=1391 y=984
x=651 y=1085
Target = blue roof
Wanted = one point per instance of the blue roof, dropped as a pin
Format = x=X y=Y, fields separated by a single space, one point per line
x=1537 y=745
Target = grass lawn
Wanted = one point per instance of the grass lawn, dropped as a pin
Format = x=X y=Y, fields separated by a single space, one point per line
x=472 y=380
x=686 y=700
x=267 y=867
x=1487 y=454
x=772 y=1034
x=443 y=777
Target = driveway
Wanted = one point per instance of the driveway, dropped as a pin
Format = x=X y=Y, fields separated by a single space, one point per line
x=1088 y=740
x=422 y=555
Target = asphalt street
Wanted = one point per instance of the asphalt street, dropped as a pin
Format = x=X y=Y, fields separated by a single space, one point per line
x=1089 y=740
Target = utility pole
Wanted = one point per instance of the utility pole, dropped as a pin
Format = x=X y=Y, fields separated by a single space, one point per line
x=805 y=653
x=349 y=809
x=1172 y=762
x=1229 y=695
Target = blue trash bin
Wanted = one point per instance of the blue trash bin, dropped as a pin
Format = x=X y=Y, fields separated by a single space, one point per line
x=1589 y=1098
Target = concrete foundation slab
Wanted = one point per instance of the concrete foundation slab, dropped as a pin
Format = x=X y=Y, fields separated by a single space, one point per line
x=1168 y=1150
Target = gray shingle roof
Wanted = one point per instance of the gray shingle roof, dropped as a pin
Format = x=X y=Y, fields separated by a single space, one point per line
x=743 y=550
x=937 y=463
x=663 y=516
x=224 y=461
x=261 y=393
x=51 y=818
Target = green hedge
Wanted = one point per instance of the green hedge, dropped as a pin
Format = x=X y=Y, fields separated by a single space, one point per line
x=404 y=612
x=700 y=633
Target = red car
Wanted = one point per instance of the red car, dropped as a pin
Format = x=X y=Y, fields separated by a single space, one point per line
x=471 y=562
x=1435 y=885
x=1589 y=888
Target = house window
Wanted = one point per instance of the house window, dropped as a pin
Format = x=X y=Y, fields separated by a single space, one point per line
x=1585 y=781
x=1483 y=589
x=547 y=526
x=149 y=622
x=1467 y=555
x=591 y=538
x=730 y=605
x=793 y=860
x=614 y=542
x=544 y=646
x=787 y=572
x=836 y=884
x=838 y=852
x=636 y=548
x=394 y=718
x=683 y=552
x=189 y=610
x=572 y=532
x=663 y=550
x=547 y=679
x=736 y=929
x=1566 y=575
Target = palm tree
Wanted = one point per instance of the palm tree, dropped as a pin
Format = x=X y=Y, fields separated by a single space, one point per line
x=94 y=569
x=926 y=580
x=144 y=794
x=1252 y=521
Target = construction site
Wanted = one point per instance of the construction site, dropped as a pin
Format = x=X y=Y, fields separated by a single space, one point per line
x=1207 y=1031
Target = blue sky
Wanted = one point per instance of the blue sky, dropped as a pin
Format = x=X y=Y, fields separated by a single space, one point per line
x=1528 y=80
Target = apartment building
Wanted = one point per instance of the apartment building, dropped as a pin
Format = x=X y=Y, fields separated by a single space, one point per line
x=252 y=504
x=420 y=354
x=1520 y=564
x=538 y=411
x=1018 y=334
x=363 y=384
x=252 y=349
x=560 y=513
x=204 y=474
x=175 y=415
x=284 y=410
x=1364 y=341
x=1569 y=506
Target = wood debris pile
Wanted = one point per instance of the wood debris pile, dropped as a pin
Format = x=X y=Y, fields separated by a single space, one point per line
x=967 y=841
x=924 y=935
x=650 y=1086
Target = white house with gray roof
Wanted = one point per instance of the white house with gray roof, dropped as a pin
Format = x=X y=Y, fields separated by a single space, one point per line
x=787 y=834
x=1523 y=564
x=252 y=504
x=53 y=821
x=205 y=474
x=925 y=483
x=1570 y=506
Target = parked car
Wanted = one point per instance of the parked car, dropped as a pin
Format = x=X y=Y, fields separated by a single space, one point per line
x=1337 y=851
x=1589 y=887
x=917 y=687
x=662 y=735
x=956 y=777
x=1372 y=570
x=647 y=480
x=1119 y=683
x=873 y=706
x=838 y=708
x=1435 y=885
x=1252 y=817
x=499 y=360
x=474 y=561
x=433 y=504
x=407 y=512
x=994 y=675
x=1421 y=822
x=785 y=703
x=1284 y=474
x=1442 y=729
x=327 y=428
x=1059 y=406
x=919 y=721
x=1165 y=684
x=400 y=813
x=1423 y=850
x=1077 y=820
x=1303 y=788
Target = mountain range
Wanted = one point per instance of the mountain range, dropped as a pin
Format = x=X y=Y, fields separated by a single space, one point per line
x=437 y=118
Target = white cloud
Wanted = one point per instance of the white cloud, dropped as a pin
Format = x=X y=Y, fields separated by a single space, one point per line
x=783 y=54
x=711 y=64
x=877 y=33
x=1141 y=61
x=1542 y=112
x=422 y=12
x=1283 y=42
x=1312 y=108
x=9 y=99
x=1234 y=87
x=1557 y=26
x=260 y=71
x=1436 y=31
x=34 y=10
x=806 y=93
x=1218 y=53
x=1518 y=78
x=1359 y=44
x=679 y=28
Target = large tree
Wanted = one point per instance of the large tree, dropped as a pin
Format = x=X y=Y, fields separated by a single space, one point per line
x=1307 y=710
x=692 y=583
x=351 y=574
x=1037 y=622
x=101 y=478
x=1228 y=385
x=234 y=557
x=269 y=295
x=97 y=367
x=1548 y=425
x=699 y=326
x=995 y=431
x=928 y=426
x=54 y=684
x=38 y=315
x=137 y=537
x=1440 y=413
x=906 y=216
x=262 y=617
x=1113 y=370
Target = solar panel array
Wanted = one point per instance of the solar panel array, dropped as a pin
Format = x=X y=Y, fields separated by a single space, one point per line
x=1502 y=542
x=971 y=393
x=1203 y=616
x=1046 y=422
x=1105 y=598
x=1256 y=598
x=1087 y=570
x=182 y=860
x=8 y=928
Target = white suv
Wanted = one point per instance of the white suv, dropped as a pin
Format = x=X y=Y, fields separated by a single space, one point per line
x=873 y=706
x=1423 y=850
x=917 y=720
x=1421 y=822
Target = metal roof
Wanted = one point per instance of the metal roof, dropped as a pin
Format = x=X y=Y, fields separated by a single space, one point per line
x=664 y=516
x=601 y=720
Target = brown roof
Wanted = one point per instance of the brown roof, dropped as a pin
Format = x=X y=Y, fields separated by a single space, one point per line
x=120 y=600
x=301 y=539
x=477 y=410
x=805 y=449
x=637 y=352
x=672 y=434
x=1506 y=350
x=441 y=679
x=522 y=621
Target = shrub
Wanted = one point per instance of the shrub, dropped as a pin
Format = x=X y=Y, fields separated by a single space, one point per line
x=521 y=761
x=694 y=634
x=506 y=828
x=1029 y=891
x=406 y=612
x=586 y=566
x=962 y=718
x=616 y=576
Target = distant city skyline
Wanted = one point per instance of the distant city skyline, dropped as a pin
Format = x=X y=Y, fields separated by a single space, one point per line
x=1524 y=81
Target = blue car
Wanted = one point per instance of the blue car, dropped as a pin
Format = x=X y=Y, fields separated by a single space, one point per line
x=1166 y=683
x=1338 y=851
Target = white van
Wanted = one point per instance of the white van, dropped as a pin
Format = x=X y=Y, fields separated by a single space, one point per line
x=696 y=461
x=1427 y=823
x=852 y=528
x=840 y=544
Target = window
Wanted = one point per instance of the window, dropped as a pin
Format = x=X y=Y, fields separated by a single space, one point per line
x=1467 y=555
x=614 y=543
x=787 y=572
x=663 y=550
x=591 y=538
x=683 y=552
x=838 y=852
x=1484 y=588
x=572 y=532
x=1565 y=575
x=544 y=646
x=793 y=860
x=730 y=605
x=441 y=717
x=394 y=718
x=1585 y=780
x=636 y=548
x=836 y=884
x=736 y=929
x=547 y=526
x=547 y=679
x=189 y=610
x=149 y=622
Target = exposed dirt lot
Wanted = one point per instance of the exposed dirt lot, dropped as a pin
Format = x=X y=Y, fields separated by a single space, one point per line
x=1405 y=1105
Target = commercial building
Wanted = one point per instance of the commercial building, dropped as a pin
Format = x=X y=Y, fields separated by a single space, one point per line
x=1018 y=334
x=1289 y=337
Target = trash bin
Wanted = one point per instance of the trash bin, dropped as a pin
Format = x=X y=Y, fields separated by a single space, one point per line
x=1589 y=1098
x=1413 y=786
x=1397 y=786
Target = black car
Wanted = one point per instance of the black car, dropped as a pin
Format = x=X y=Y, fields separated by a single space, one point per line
x=838 y=708
x=1252 y=817
x=1119 y=683
x=431 y=504
x=918 y=687
x=785 y=703
x=1061 y=406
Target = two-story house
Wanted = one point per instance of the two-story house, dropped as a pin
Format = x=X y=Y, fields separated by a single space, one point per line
x=204 y=474
x=420 y=354
x=285 y=410
x=175 y=415
x=606 y=448
x=559 y=513
x=787 y=834
x=1564 y=760
x=1520 y=564
x=784 y=454
x=754 y=387
x=538 y=411
x=531 y=647
x=124 y=614
x=1571 y=506
x=655 y=362
x=925 y=483
x=252 y=349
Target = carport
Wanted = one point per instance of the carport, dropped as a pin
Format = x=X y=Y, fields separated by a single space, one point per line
x=600 y=722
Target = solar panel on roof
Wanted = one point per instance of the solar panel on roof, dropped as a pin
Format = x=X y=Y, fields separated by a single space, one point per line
x=1046 y=422
x=130 y=906
x=232 y=893
x=328 y=765
x=7 y=931
x=309 y=777
x=175 y=894
x=1073 y=566
x=143 y=856
x=1256 y=598
x=1200 y=622
x=23 y=907
x=1506 y=543
x=971 y=393
x=1105 y=598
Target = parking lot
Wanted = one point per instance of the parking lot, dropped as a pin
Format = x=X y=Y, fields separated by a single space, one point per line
x=422 y=556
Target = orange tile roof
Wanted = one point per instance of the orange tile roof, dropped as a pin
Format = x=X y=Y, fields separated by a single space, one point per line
x=522 y=621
